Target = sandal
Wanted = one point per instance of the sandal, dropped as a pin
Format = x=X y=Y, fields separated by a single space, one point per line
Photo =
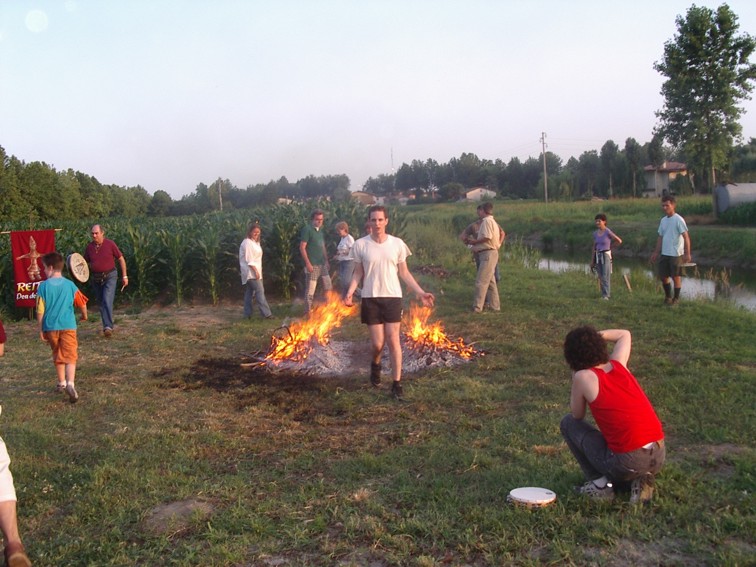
x=15 y=556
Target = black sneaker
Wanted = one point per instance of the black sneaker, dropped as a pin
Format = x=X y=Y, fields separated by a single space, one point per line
x=375 y=373
x=396 y=390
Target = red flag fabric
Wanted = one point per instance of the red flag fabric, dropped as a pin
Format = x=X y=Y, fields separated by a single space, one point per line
x=27 y=248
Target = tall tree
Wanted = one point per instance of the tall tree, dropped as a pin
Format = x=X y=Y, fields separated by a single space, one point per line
x=633 y=156
x=589 y=165
x=609 y=153
x=708 y=73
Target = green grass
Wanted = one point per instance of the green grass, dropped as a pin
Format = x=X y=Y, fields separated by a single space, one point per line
x=327 y=471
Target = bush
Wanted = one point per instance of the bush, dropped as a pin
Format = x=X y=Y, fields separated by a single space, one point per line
x=743 y=215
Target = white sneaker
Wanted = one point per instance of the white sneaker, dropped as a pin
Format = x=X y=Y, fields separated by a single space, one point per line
x=73 y=395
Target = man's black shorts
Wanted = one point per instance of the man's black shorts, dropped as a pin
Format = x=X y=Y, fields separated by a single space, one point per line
x=379 y=310
x=670 y=266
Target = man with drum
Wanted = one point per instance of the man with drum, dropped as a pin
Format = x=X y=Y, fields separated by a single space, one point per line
x=101 y=254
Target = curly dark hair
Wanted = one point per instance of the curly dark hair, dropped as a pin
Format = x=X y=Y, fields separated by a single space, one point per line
x=585 y=348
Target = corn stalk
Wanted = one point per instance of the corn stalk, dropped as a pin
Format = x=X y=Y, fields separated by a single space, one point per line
x=143 y=260
x=207 y=243
x=176 y=245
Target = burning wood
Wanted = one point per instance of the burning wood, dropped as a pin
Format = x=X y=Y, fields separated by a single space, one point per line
x=306 y=346
x=430 y=337
x=302 y=336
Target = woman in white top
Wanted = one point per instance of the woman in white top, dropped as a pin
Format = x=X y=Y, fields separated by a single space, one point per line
x=250 y=264
x=344 y=256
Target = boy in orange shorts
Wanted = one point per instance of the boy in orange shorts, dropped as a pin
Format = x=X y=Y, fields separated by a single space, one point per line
x=56 y=298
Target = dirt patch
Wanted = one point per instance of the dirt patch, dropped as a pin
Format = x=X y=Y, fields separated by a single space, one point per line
x=716 y=460
x=631 y=553
x=176 y=517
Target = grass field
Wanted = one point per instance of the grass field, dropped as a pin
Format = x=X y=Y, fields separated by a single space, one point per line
x=177 y=455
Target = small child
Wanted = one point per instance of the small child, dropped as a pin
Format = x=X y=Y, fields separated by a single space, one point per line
x=56 y=298
x=601 y=259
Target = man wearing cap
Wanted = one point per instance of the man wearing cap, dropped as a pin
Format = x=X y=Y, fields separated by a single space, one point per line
x=101 y=254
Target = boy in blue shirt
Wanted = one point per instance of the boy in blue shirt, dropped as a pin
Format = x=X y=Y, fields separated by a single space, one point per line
x=56 y=298
x=674 y=245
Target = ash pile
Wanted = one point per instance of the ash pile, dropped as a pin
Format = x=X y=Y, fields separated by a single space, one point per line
x=419 y=356
x=331 y=359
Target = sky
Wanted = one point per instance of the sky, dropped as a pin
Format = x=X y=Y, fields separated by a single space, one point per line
x=168 y=94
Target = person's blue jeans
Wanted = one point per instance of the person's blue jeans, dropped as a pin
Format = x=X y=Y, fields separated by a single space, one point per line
x=105 y=295
x=254 y=289
x=346 y=270
x=604 y=272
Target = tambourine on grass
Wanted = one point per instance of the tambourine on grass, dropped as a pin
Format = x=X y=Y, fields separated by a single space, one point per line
x=531 y=497
x=78 y=267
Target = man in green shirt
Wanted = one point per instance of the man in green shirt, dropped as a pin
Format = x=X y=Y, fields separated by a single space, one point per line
x=313 y=251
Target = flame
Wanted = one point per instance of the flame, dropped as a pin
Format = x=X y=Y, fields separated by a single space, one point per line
x=422 y=334
x=298 y=343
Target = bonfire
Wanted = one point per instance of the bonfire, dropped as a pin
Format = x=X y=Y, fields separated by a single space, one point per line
x=426 y=336
x=307 y=347
x=301 y=337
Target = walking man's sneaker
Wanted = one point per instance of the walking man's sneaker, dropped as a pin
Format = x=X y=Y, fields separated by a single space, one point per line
x=375 y=373
x=642 y=489
x=396 y=390
x=108 y=332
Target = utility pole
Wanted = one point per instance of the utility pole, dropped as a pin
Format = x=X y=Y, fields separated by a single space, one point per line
x=220 y=194
x=545 y=173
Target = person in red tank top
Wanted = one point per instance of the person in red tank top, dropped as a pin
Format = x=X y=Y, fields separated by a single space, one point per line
x=628 y=446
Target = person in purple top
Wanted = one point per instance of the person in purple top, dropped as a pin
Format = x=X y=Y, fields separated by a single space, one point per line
x=601 y=258
x=101 y=255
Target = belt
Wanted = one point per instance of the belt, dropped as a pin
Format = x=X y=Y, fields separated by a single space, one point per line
x=103 y=274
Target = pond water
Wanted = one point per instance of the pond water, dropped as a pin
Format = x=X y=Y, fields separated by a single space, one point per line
x=698 y=282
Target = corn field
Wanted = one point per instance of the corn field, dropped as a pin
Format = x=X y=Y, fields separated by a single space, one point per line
x=179 y=259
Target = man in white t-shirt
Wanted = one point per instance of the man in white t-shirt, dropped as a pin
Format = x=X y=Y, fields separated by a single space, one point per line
x=674 y=244
x=380 y=262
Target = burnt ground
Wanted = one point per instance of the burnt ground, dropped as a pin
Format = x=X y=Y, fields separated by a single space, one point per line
x=254 y=383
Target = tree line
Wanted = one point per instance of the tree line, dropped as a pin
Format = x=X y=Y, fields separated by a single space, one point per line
x=36 y=191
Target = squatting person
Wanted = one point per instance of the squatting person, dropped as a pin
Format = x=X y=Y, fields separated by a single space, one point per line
x=628 y=446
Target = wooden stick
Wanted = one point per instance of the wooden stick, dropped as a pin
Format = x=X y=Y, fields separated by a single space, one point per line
x=627 y=282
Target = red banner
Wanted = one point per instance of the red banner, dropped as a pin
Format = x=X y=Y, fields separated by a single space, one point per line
x=27 y=248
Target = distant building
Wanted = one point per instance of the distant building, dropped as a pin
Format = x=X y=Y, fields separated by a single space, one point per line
x=364 y=198
x=659 y=178
x=479 y=194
